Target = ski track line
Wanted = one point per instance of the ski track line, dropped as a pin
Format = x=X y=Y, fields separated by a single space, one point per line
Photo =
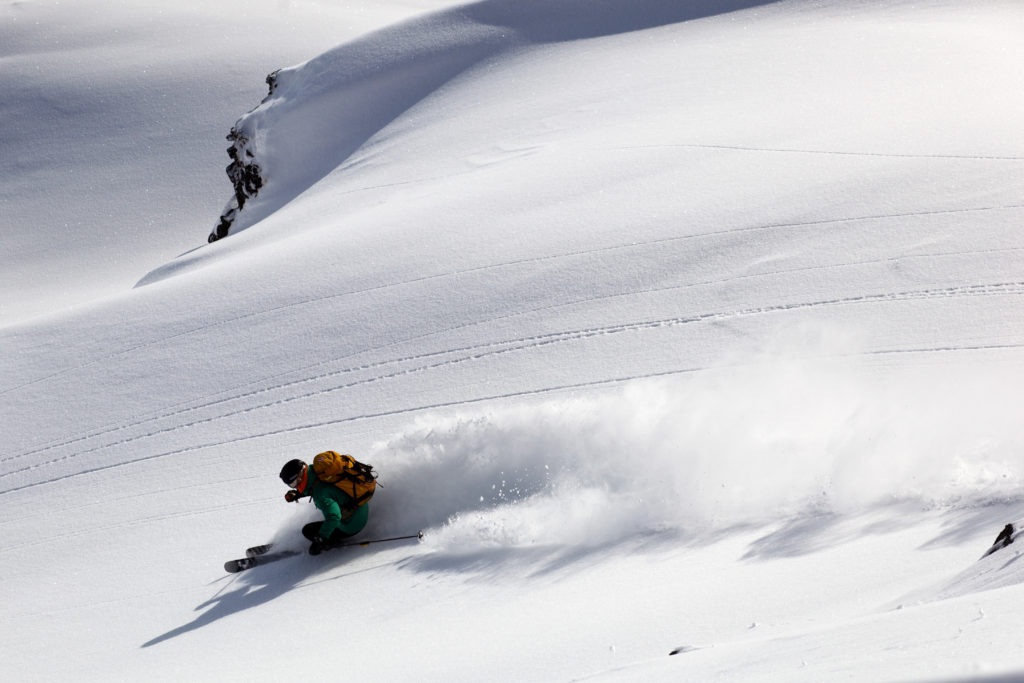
x=173 y=410
x=304 y=380
x=545 y=340
x=939 y=349
x=509 y=345
x=185 y=407
x=506 y=264
x=466 y=402
x=532 y=342
x=326 y=423
x=819 y=152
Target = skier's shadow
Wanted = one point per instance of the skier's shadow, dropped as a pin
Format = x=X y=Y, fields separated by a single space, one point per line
x=260 y=585
x=253 y=588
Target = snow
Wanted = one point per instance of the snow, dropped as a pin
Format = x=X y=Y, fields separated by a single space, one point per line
x=676 y=327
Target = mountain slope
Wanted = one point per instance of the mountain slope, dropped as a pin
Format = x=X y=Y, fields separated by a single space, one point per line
x=672 y=329
x=114 y=119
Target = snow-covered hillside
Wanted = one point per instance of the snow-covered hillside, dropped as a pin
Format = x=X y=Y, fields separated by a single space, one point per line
x=683 y=327
x=114 y=116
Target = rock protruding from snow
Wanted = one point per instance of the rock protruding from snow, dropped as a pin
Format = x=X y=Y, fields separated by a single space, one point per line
x=999 y=567
x=1005 y=538
x=320 y=112
x=244 y=171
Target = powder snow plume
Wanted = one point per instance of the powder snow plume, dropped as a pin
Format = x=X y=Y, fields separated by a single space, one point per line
x=750 y=442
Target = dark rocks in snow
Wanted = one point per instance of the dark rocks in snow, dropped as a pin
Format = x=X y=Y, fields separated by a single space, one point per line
x=1005 y=538
x=272 y=81
x=243 y=171
x=246 y=177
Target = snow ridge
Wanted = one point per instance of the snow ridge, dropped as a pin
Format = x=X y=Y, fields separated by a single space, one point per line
x=320 y=112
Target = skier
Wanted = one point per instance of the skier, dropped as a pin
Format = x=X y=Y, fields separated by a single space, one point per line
x=342 y=518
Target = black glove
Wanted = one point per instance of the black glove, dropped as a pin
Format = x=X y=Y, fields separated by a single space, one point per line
x=318 y=546
x=292 y=496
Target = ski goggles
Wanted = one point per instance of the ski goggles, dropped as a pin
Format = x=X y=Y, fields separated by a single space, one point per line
x=300 y=479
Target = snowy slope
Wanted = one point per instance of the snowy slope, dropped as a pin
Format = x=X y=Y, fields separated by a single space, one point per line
x=114 y=119
x=674 y=325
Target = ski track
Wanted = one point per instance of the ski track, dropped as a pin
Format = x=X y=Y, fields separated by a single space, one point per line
x=818 y=152
x=506 y=264
x=466 y=402
x=478 y=352
x=163 y=414
x=177 y=409
x=521 y=344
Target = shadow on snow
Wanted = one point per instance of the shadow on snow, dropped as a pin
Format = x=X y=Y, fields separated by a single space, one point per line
x=261 y=585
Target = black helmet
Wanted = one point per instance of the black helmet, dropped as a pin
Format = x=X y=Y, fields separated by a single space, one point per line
x=291 y=472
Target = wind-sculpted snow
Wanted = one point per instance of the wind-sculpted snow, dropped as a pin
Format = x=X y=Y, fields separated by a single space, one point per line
x=320 y=112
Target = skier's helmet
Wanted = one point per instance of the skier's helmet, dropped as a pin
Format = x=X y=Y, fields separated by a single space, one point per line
x=292 y=471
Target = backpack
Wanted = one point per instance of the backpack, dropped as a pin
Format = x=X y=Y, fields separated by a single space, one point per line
x=356 y=479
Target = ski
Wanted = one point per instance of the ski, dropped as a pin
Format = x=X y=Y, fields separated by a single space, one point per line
x=240 y=565
x=258 y=550
x=260 y=554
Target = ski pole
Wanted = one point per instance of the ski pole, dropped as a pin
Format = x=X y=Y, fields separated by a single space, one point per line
x=379 y=540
